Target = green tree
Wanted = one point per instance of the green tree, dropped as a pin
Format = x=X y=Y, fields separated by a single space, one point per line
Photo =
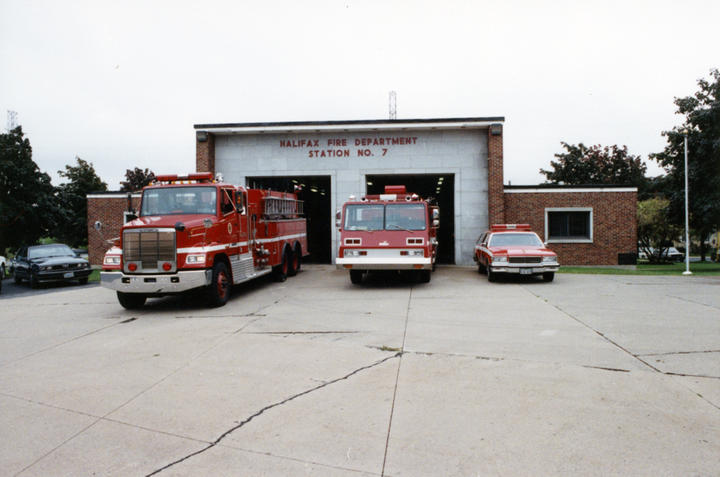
x=611 y=165
x=27 y=203
x=136 y=179
x=702 y=124
x=72 y=197
x=655 y=229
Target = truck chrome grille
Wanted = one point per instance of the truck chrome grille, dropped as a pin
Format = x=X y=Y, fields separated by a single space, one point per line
x=149 y=247
x=525 y=259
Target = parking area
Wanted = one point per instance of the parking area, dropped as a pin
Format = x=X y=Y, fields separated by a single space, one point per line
x=589 y=374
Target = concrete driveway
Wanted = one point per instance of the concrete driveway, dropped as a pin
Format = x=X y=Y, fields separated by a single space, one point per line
x=588 y=375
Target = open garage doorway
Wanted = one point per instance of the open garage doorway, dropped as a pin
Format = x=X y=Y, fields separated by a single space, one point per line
x=315 y=193
x=441 y=187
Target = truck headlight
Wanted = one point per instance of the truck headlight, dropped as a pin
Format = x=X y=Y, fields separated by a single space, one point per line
x=354 y=253
x=195 y=258
x=549 y=259
x=111 y=260
x=500 y=259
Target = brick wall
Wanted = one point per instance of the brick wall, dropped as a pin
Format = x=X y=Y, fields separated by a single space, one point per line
x=205 y=153
x=108 y=209
x=614 y=222
x=496 y=202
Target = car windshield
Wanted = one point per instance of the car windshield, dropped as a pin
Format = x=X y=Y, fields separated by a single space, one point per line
x=385 y=217
x=515 y=240
x=57 y=250
x=179 y=200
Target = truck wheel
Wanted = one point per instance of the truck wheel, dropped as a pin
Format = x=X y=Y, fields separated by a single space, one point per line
x=280 y=272
x=131 y=301
x=492 y=276
x=296 y=262
x=481 y=268
x=220 y=287
x=424 y=276
x=356 y=276
x=548 y=277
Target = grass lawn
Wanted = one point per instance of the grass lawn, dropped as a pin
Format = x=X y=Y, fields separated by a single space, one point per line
x=94 y=276
x=697 y=268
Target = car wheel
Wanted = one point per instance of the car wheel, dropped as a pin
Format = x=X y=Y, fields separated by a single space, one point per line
x=356 y=276
x=131 y=301
x=548 y=276
x=34 y=283
x=481 y=268
x=220 y=287
x=492 y=276
x=16 y=278
x=83 y=281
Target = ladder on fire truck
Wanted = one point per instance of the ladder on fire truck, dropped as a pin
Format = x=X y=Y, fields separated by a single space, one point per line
x=280 y=207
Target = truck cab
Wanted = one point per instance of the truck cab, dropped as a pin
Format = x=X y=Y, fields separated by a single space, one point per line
x=396 y=230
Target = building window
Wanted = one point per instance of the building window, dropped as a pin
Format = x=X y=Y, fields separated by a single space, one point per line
x=572 y=224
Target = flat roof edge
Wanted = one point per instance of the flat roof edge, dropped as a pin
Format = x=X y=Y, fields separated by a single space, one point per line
x=353 y=124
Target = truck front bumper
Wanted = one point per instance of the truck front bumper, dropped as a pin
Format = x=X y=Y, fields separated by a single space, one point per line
x=383 y=263
x=156 y=284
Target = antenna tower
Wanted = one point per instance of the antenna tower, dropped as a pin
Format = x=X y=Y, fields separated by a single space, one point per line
x=393 y=105
x=11 y=120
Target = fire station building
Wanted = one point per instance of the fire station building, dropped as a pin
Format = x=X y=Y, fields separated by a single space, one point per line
x=457 y=161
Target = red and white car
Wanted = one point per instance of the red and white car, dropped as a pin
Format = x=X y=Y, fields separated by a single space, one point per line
x=514 y=248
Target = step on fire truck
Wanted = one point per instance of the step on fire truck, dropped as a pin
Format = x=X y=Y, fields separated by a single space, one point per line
x=391 y=231
x=194 y=232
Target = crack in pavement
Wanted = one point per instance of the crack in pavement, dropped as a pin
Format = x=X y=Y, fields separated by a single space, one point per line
x=301 y=332
x=267 y=408
x=397 y=380
x=671 y=353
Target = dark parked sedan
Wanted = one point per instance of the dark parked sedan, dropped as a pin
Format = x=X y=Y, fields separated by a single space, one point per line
x=49 y=263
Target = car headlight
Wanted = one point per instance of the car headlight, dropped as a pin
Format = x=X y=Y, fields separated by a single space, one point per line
x=549 y=259
x=45 y=268
x=109 y=260
x=195 y=258
x=500 y=259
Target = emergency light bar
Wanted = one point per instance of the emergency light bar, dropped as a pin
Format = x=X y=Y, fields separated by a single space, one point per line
x=195 y=176
x=501 y=227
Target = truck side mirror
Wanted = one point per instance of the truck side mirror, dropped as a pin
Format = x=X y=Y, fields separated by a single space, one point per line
x=436 y=223
x=338 y=219
x=436 y=214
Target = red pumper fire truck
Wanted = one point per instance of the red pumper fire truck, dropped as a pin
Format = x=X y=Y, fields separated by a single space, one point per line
x=391 y=231
x=193 y=232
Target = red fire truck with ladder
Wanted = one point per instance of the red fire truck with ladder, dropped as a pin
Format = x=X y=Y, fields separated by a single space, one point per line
x=391 y=231
x=193 y=232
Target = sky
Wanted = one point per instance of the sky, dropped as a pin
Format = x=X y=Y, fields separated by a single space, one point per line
x=121 y=83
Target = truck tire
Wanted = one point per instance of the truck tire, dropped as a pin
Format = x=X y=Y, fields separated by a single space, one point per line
x=218 y=292
x=548 y=277
x=356 y=276
x=481 y=268
x=280 y=272
x=131 y=301
x=295 y=262
x=492 y=276
x=424 y=276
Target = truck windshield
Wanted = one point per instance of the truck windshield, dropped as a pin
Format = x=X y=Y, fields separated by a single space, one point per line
x=179 y=200
x=515 y=240
x=390 y=217
x=405 y=216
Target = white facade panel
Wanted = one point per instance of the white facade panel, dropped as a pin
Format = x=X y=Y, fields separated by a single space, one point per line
x=348 y=156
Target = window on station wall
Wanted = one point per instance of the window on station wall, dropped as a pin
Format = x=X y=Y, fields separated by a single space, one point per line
x=569 y=224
